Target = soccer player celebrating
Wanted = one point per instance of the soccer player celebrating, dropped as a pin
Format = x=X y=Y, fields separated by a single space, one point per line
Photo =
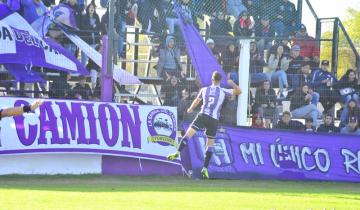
x=15 y=111
x=213 y=97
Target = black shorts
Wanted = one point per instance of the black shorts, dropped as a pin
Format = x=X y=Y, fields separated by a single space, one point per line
x=205 y=121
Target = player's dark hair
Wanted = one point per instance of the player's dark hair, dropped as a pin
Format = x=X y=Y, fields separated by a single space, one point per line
x=216 y=76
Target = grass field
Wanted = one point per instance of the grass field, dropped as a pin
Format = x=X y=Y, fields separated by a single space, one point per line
x=165 y=193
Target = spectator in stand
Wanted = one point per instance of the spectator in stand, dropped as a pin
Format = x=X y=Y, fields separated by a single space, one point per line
x=328 y=126
x=91 y=24
x=82 y=90
x=257 y=121
x=184 y=103
x=235 y=7
x=278 y=65
x=227 y=112
x=323 y=82
x=268 y=7
x=172 y=19
x=211 y=44
x=169 y=59
x=33 y=9
x=348 y=87
x=351 y=109
x=285 y=17
x=309 y=127
x=220 y=25
x=265 y=104
x=120 y=25
x=257 y=64
x=94 y=68
x=352 y=128
x=230 y=58
x=244 y=25
x=253 y=7
x=266 y=32
x=287 y=124
x=301 y=106
x=172 y=89
x=71 y=47
x=60 y=87
x=310 y=49
x=296 y=62
x=151 y=16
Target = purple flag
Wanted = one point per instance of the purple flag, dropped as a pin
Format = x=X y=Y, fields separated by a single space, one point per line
x=4 y=10
x=14 y=5
x=24 y=73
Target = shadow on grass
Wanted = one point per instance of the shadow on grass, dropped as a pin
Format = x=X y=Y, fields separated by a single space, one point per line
x=99 y=183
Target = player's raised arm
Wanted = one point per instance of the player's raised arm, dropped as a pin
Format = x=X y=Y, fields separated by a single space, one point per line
x=15 y=111
x=195 y=102
x=236 y=89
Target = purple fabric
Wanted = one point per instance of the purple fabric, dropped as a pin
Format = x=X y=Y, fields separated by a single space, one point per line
x=14 y=5
x=31 y=10
x=253 y=153
x=201 y=56
x=4 y=10
x=65 y=15
x=24 y=73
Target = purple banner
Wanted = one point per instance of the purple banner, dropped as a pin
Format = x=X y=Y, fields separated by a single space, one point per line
x=270 y=154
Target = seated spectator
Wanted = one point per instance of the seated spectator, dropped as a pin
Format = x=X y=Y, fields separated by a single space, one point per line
x=76 y=12
x=60 y=88
x=33 y=9
x=257 y=121
x=235 y=7
x=91 y=24
x=352 y=128
x=328 y=126
x=172 y=90
x=82 y=90
x=282 y=41
x=211 y=44
x=220 y=25
x=257 y=64
x=286 y=16
x=278 y=64
x=265 y=103
x=348 y=87
x=310 y=49
x=351 y=109
x=301 y=106
x=184 y=103
x=285 y=123
x=230 y=57
x=296 y=62
x=267 y=7
x=309 y=125
x=169 y=60
x=244 y=25
x=94 y=68
x=323 y=82
x=172 y=18
x=264 y=30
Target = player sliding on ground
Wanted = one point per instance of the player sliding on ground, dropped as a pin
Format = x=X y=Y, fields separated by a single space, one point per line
x=208 y=118
x=15 y=111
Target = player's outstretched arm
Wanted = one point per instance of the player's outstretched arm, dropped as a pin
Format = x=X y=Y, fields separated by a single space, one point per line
x=15 y=111
x=194 y=104
x=235 y=87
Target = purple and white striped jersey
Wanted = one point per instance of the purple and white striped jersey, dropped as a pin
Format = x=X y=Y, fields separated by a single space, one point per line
x=213 y=97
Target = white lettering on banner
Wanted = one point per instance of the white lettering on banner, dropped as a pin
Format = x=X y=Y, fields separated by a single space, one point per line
x=254 y=150
x=78 y=126
x=352 y=161
x=7 y=43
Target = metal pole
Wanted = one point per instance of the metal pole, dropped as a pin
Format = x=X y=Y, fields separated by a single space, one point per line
x=335 y=47
x=111 y=39
x=299 y=10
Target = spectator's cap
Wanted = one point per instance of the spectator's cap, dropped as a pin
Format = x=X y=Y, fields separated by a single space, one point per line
x=309 y=119
x=302 y=27
x=265 y=17
x=295 y=48
x=325 y=62
x=210 y=41
x=352 y=119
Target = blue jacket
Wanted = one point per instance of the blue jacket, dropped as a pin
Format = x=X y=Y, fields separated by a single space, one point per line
x=320 y=75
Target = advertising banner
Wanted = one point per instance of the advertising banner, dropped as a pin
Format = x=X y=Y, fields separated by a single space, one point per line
x=254 y=153
x=65 y=126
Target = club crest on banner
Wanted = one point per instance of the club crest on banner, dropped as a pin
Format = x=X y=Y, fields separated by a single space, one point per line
x=161 y=124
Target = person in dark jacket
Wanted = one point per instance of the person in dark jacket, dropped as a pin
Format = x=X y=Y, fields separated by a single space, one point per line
x=296 y=62
x=172 y=90
x=257 y=64
x=184 y=103
x=348 y=87
x=301 y=106
x=285 y=17
x=351 y=109
x=82 y=90
x=264 y=30
x=220 y=25
x=230 y=57
x=244 y=25
x=227 y=115
x=265 y=103
x=328 y=126
x=60 y=88
x=287 y=124
x=309 y=127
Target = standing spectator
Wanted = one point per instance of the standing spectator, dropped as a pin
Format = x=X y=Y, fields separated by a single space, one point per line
x=285 y=123
x=257 y=64
x=296 y=62
x=172 y=89
x=235 y=7
x=310 y=49
x=328 y=126
x=253 y=7
x=266 y=32
x=76 y=13
x=244 y=25
x=91 y=24
x=309 y=125
x=323 y=82
x=33 y=9
x=348 y=87
x=265 y=103
x=285 y=17
x=151 y=16
x=172 y=19
x=257 y=121
x=301 y=106
x=60 y=88
x=169 y=59
x=120 y=25
x=351 y=109
x=352 y=128
x=220 y=25
x=211 y=44
x=184 y=103
x=278 y=64
x=82 y=90
x=230 y=58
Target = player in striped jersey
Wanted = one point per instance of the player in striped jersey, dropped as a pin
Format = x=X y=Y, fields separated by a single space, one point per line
x=213 y=97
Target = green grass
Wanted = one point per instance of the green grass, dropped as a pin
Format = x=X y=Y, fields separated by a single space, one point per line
x=165 y=193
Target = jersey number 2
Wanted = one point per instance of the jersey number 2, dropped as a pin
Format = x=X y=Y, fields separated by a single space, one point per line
x=211 y=101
